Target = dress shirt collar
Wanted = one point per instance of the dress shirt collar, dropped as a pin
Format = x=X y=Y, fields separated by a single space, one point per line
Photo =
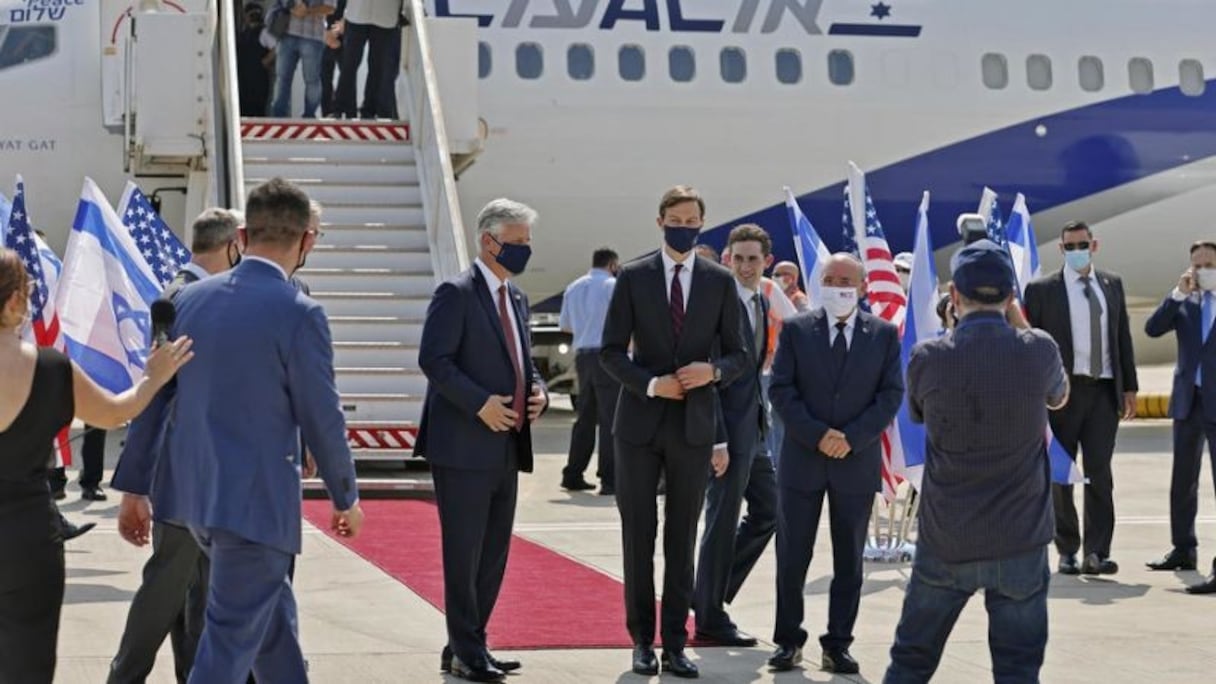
x=849 y=323
x=669 y=264
x=1074 y=278
x=267 y=261
x=492 y=280
x=599 y=273
x=744 y=293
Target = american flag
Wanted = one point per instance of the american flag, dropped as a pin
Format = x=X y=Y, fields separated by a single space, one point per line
x=848 y=239
x=44 y=320
x=159 y=246
x=887 y=301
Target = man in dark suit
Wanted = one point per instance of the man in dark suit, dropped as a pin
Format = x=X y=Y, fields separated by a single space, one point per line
x=676 y=309
x=729 y=549
x=172 y=595
x=837 y=384
x=483 y=395
x=1189 y=311
x=1085 y=312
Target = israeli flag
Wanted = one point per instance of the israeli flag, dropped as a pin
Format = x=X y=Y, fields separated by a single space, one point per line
x=105 y=293
x=812 y=254
x=920 y=324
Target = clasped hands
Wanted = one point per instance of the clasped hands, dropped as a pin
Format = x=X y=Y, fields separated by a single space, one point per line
x=834 y=444
x=675 y=385
x=498 y=415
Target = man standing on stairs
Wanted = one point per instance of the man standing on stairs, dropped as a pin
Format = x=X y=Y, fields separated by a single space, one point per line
x=304 y=43
x=483 y=395
x=1190 y=311
x=375 y=24
x=584 y=307
x=1085 y=312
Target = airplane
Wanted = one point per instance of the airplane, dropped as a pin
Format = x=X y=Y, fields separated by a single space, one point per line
x=1096 y=111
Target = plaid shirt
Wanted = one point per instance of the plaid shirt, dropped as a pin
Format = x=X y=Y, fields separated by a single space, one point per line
x=310 y=27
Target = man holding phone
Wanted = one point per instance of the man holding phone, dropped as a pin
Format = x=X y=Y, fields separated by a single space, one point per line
x=1189 y=311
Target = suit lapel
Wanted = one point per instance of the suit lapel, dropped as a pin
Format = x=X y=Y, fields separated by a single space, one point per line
x=1061 y=287
x=658 y=280
x=525 y=339
x=491 y=309
x=1112 y=308
x=862 y=334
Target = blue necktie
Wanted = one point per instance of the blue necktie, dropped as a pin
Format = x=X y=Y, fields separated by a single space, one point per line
x=1206 y=329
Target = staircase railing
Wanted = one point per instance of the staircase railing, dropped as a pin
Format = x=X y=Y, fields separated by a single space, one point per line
x=440 y=205
x=229 y=170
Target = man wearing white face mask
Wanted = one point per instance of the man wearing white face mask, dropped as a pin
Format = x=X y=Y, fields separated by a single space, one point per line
x=1189 y=311
x=837 y=384
x=1085 y=312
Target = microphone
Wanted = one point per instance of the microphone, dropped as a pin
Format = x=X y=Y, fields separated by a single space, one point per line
x=163 y=315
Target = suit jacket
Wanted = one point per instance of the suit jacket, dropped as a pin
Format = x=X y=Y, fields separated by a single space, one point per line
x=262 y=373
x=812 y=396
x=639 y=313
x=1185 y=318
x=465 y=358
x=1047 y=308
x=742 y=400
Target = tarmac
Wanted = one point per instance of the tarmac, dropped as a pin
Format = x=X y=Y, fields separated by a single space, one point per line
x=359 y=625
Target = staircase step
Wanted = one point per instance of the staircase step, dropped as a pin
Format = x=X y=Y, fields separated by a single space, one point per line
x=373 y=172
x=390 y=487
x=369 y=280
x=380 y=380
x=279 y=151
x=396 y=214
x=368 y=256
x=398 y=408
x=384 y=354
x=383 y=329
x=371 y=303
x=338 y=235
x=383 y=194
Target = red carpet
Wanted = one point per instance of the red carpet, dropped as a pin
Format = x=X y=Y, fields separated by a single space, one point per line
x=548 y=600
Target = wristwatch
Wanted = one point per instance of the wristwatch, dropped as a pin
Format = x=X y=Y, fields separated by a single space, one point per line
x=717 y=374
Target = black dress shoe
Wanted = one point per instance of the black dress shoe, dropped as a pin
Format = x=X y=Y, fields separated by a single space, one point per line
x=840 y=662
x=679 y=665
x=579 y=485
x=445 y=659
x=1208 y=587
x=607 y=491
x=1176 y=559
x=732 y=637
x=504 y=665
x=1068 y=565
x=644 y=661
x=92 y=494
x=1094 y=565
x=481 y=672
x=70 y=531
x=59 y=494
x=785 y=658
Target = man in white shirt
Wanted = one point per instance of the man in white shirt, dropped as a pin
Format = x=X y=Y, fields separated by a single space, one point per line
x=376 y=25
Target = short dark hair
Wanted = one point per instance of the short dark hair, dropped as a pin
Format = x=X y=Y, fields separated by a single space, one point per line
x=750 y=232
x=603 y=257
x=679 y=195
x=214 y=228
x=277 y=212
x=1203 y=244
x=1074 y=226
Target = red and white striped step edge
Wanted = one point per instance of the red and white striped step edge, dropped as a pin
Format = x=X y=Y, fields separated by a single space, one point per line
x=312 y=129
x=377 y=437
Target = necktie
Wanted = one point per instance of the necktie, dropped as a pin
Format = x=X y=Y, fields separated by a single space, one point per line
x=518 y=404
x=677 y=303
x=758 y=328
x=840 y=347
x=1095 y=329
x=1207 y=315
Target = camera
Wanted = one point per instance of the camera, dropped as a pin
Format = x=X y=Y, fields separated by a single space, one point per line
x=972 y=228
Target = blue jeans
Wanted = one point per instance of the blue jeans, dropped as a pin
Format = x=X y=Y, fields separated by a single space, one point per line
x=1015 y=594
x=293 y=49
x=776 y=430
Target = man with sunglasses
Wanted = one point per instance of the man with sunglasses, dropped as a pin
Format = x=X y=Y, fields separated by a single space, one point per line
x=1085 y=311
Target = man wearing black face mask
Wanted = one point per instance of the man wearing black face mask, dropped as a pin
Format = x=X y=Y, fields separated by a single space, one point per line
x=676 y=309
x=483 y=395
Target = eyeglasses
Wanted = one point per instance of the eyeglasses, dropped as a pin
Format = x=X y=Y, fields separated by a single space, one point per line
x=1074 y=246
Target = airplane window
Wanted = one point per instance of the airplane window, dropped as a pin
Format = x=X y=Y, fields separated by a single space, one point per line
x=1092 y=75
x=631 y=62
x=580 y=61
x=681 y=63
x=529 y=61
x=995 y=70
x=483 y=60
x=22 y=44
x=1190 y=77
x=789 y=66
x=1140 y=74
x=733 y=64
x=1038 y=72
x=840 y=67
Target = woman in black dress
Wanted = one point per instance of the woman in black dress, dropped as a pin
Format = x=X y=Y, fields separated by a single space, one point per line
x=40 y=391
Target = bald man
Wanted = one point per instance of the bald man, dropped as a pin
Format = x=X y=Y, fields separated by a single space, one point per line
x=786 y=273
x=837 y=384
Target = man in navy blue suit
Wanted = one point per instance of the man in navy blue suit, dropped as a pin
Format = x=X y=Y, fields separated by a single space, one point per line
x=837 y=384
x=483 y=395
x=1189 y=311
x=233 y=471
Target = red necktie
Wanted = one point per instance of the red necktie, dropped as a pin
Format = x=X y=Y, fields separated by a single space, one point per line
x=677 y=303
x=519 y=404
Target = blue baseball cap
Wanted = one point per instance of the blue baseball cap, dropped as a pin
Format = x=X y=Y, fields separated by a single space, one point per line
x=983 y=272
